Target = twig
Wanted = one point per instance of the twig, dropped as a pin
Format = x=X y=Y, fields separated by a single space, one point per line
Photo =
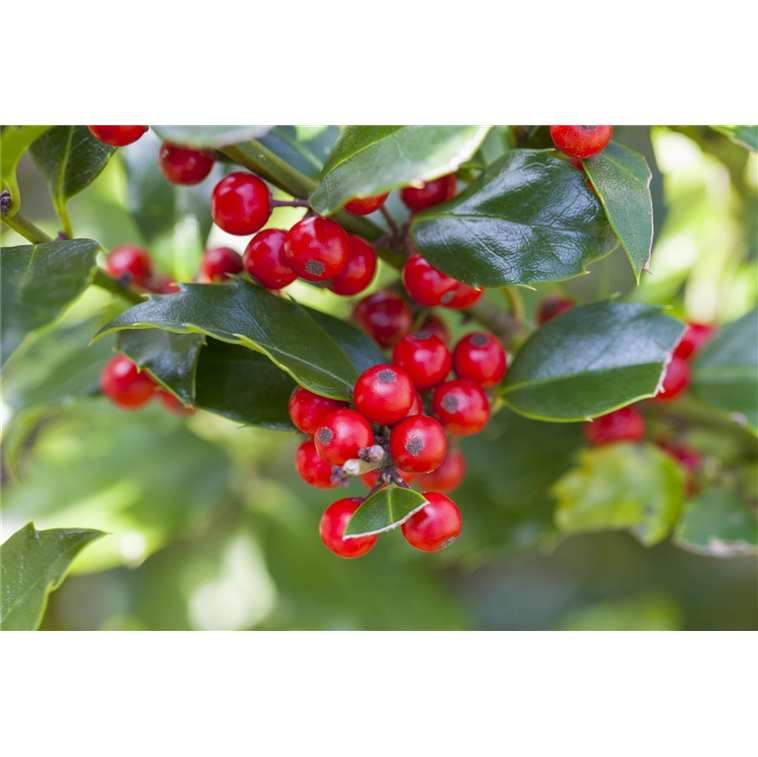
x=515 y=303
x=105 y=281
x=26 y=229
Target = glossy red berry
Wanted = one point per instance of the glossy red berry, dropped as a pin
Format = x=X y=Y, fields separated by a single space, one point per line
x=624 y=425
x=317 y=248
x=312 y=468
x=370 y=478
x=461 y=406
x=449 y=476
x=241 y=204
x=481 y=358
x=551 y=307
x=174 y=405
x=433 y=324
x=130 y=263
x=384 y=316
x=384 y=394
x=339 y=437
x=581 y=141
x=308 y=410
x=265 y=261
x=117 y=136
x=675 y=382
x=125 y=384
x=435 y=526
x=430 y=193
x=220 y=263
x=416 y=408
x=359 y=271
x=464 y=296
x=424 y=357
x=696 y=335
x=426 y=284
x=332 y=528
x=181 y=165
x=418 y=444
x=362 y=206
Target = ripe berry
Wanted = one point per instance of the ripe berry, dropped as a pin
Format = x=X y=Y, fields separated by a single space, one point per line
x=424 y=357
x=418 y=444
x=312 y=469
x=433 y=324
x=174 y=405
x=241 y=204
x=370 y=478
x=162 y=285
x=117 y=136
x=181 y=165
x=362 y=206
x=308 y=410
x=624 y=425
x=339 y=437
x=317 y=248
x=384 y=394
x=462 y=407
x=385 y=316
x=435 y=526
x=481 y=358
x=426 y=284
x=125 y=384
x=687 y=457
x=448 y=476
x=416 y=408
x=675 y=382
x=265 y=261
x=551 y=307
x=359 y=271
x=218 y=264
x=696 y=335
x=130 y=263
x=332 y=527
x=464 y=296
x=581 y=141
x=430 y=193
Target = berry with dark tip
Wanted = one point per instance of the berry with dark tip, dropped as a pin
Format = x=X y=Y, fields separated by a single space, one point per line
x=362 y=206
x=130 y=264
x=435 y=526
x=551 y=307
x=117 y=136
x=429 y=193
x=623 y=425
x=384 y=316
x=220 y=263
x=308 y=410
x=449 y=476
x=418 y=444
x=481 y=358
x=424 y=357
x=317 y=248
x=461 y=406
x=241 y=204
x=359 y=271
x=581 y=141
x=384 y=394
x=181 y=165
x=675 y=382
x=312 y=468
x=125 y=384
x=332 y=529
x=265 y=261
x=341 y=435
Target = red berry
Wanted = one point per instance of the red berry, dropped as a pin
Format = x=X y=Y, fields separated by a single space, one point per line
x=624 y=425
x=384 y=394
x=362 y=206
x=481 y=358
x=308 y=410
x=424 y=357
x=359 y=271
x=426 y=284
x=174 y=405
x=265 y=261
x=418 y=444
x=125 y=384
x=312 y=469
x=162 y=285
x=130 y=263
x=241 y=204
x=339 y=437
x=332 y=527
x=117 y=136
x=551 y=307
x=218 y=264
x=430 y=193
x=448 y=476
x=181 y=165
x=416 y=408
x=462 y=406
x=581 y=141
x=675 y=381
x=370 y=478
x=317 y=248
x=385 y=316
x=435 y=526
x=696 y=335
x=433 y=324
x=687 y=457
x=464 y=296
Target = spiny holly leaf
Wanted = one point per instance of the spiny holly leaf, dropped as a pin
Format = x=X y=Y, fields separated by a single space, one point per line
x=38 y=281
x=209 y=137
x=622 y=179
x=370 y=160
x=389 y=508
x=32 y=564
x=14 y=142
x=591 y=360
x=70 y=159
x=305 y=155
x=744 y=136
x=529 y=218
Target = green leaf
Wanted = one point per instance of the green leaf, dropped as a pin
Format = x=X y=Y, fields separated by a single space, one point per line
x=529 y=218
x=32 y=564
x=591 y=360
x=369 y=160
x=70 y=159
x=14 y=142
x=621 y=486
x=38 y=282
x=622 y=179
x=306 y=155
x=718 y=523
x=725 y=373
x=208 y=137
x=389 y=508
x=744 y=136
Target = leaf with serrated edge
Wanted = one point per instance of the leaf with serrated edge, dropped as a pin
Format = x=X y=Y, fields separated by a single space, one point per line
x=389 y=508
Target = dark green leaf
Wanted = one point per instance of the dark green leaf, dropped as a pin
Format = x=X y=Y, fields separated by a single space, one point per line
x=529 y=218
x=389 y=508
x=306 y=155
x=32 y=564
x=369 y=160
x=209 y=137
x=15 y=141
x=745 y=136
x=591 y=360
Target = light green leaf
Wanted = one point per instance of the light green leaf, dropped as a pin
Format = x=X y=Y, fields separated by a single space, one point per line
x=208 y=137
x=14 y=142
x=389 y=508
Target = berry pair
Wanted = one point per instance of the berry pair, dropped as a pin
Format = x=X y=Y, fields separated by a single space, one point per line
x=416 y=198
x=132 y=265
x=428 y=286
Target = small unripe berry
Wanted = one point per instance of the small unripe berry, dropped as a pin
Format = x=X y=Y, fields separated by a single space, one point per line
x=332 y=528
x=623 y=425
x=312 y=468
x=181 y=165
x=220 y=263
x=384 y=394
x=130 y=263
x=241 y=204
x=551 y=307
x=696 y=335
x=317 y=248
x=449 y=476
x=424 y=357
x=581 y=141
x=174 y=405
x=429 y=193
x=117 y=136
x=362 y=206
x=384 y=316
x=359 y=271
x=265 y=261
x=481 y=358
x=341 y=435
x=461 y=406
x=675 y=382
x=435 y=526
x=125 y=384
x=308 y=410
x=418 y=444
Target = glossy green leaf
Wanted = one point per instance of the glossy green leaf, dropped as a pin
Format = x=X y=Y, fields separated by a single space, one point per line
x=70 y=159
x=38 y=282
x=622 y=179
x=389 y=508
x=725 y=373
x=529 y=218
x=208 y=137
x=307 y=155
x=591 y=360
x=621 y=486
x=744 y=136
x=369 y=160
x=32 y=564
x=14 y=142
